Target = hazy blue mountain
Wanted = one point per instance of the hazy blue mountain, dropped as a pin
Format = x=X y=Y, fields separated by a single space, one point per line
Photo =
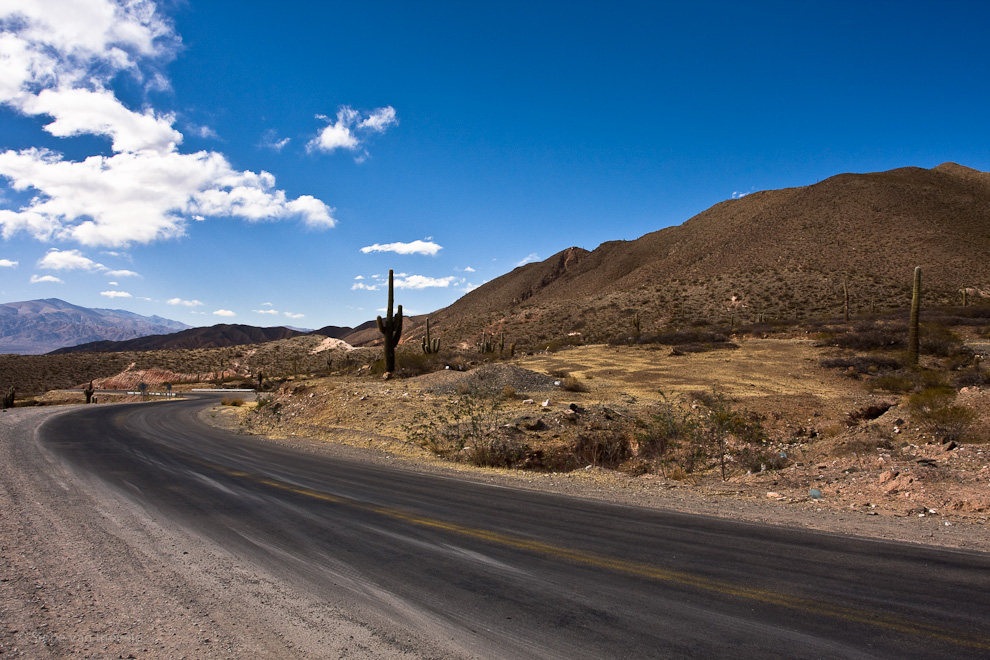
x=38 y=326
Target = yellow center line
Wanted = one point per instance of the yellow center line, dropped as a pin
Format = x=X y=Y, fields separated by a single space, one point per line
x=639 y=569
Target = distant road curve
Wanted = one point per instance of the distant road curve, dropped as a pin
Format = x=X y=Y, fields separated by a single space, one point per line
x=506 y=573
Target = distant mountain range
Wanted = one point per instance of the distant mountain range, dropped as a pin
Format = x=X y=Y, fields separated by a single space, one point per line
x=39 y=326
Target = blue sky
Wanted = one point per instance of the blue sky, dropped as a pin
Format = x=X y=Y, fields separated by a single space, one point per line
x=260 y=163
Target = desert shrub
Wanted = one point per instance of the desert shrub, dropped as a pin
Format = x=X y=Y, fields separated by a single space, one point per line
x=573 y=384
x=972 y=377
x=602 y=447
x=870 y=337
x=508 y=392
x=706 y=436
x=469 y=428
x=934 y=410
x=235 y=401
x=937 y=339
x=862 y=364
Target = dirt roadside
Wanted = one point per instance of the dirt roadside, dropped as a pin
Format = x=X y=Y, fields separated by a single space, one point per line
x=86 y=574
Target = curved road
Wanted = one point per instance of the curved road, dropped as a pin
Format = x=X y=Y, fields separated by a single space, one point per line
x=506 y=573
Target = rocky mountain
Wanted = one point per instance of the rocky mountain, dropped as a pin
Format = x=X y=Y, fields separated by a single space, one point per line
x=39 y=326
x=772 y=254
x=217 y=336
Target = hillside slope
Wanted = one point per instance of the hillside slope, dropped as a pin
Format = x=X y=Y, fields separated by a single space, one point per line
x=217 y=336
x=777 y=253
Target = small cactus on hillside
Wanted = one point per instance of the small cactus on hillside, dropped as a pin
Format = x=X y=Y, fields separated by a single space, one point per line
x=913 y=334
x=430 y=345
x=88 y=391
x=391 y=329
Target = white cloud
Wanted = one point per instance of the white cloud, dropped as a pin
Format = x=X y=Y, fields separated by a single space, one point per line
x=361 y=286
x=58 y=60
x=115 y=294
x=294 y=316
x=224 y=312
x=423 y=282
x=122 y=273
x=359 y=277
x=739 y=194
x=270 y=140
x=267 y=304
x=273 y=312
x=113 y=283
x=466 y=269
x=347 y=132
x=68 y=260
x=184 y=303
x=468 y=287
x=7 y=263
x=530 y=258
x=416 y=247
x=39 y=279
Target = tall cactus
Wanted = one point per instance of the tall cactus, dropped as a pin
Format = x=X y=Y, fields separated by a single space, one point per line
x=391 y=329
x=914 y=340
x=88 y=391
x=430 y=345
x=8 y=398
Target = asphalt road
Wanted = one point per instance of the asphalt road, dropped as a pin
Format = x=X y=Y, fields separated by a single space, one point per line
x=506 y=573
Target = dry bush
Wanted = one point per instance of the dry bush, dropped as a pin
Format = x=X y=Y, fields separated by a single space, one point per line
x=573 y=384
x=232 y=401
x=934 y=411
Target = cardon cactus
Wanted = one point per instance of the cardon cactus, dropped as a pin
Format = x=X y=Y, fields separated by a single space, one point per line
x=88 y=391
x=914 y=340
x=8 y=398
x=391 y=329
x=430 y=345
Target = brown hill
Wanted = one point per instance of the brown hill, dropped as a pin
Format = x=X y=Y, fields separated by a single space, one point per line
x=216 y=336
x=778 y=253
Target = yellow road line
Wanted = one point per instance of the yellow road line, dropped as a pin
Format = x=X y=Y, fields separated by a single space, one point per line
x=639 y=569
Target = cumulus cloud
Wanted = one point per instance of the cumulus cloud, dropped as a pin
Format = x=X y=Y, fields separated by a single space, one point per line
x=350 y=128
x=40 y=279
x=122 y=273
x=273 y=312
x=58 y=62
x=415 y=247
x=468 y=287
x=224 y=312
x=184 y=303
x=361 y=286
x=115 y=294
x=57 y=259
x=7 y=263
x=740 y=194
x=530 y=258
x=423 y=282
x=294 y=316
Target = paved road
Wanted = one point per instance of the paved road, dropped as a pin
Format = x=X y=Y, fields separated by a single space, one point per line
x=506 y=573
